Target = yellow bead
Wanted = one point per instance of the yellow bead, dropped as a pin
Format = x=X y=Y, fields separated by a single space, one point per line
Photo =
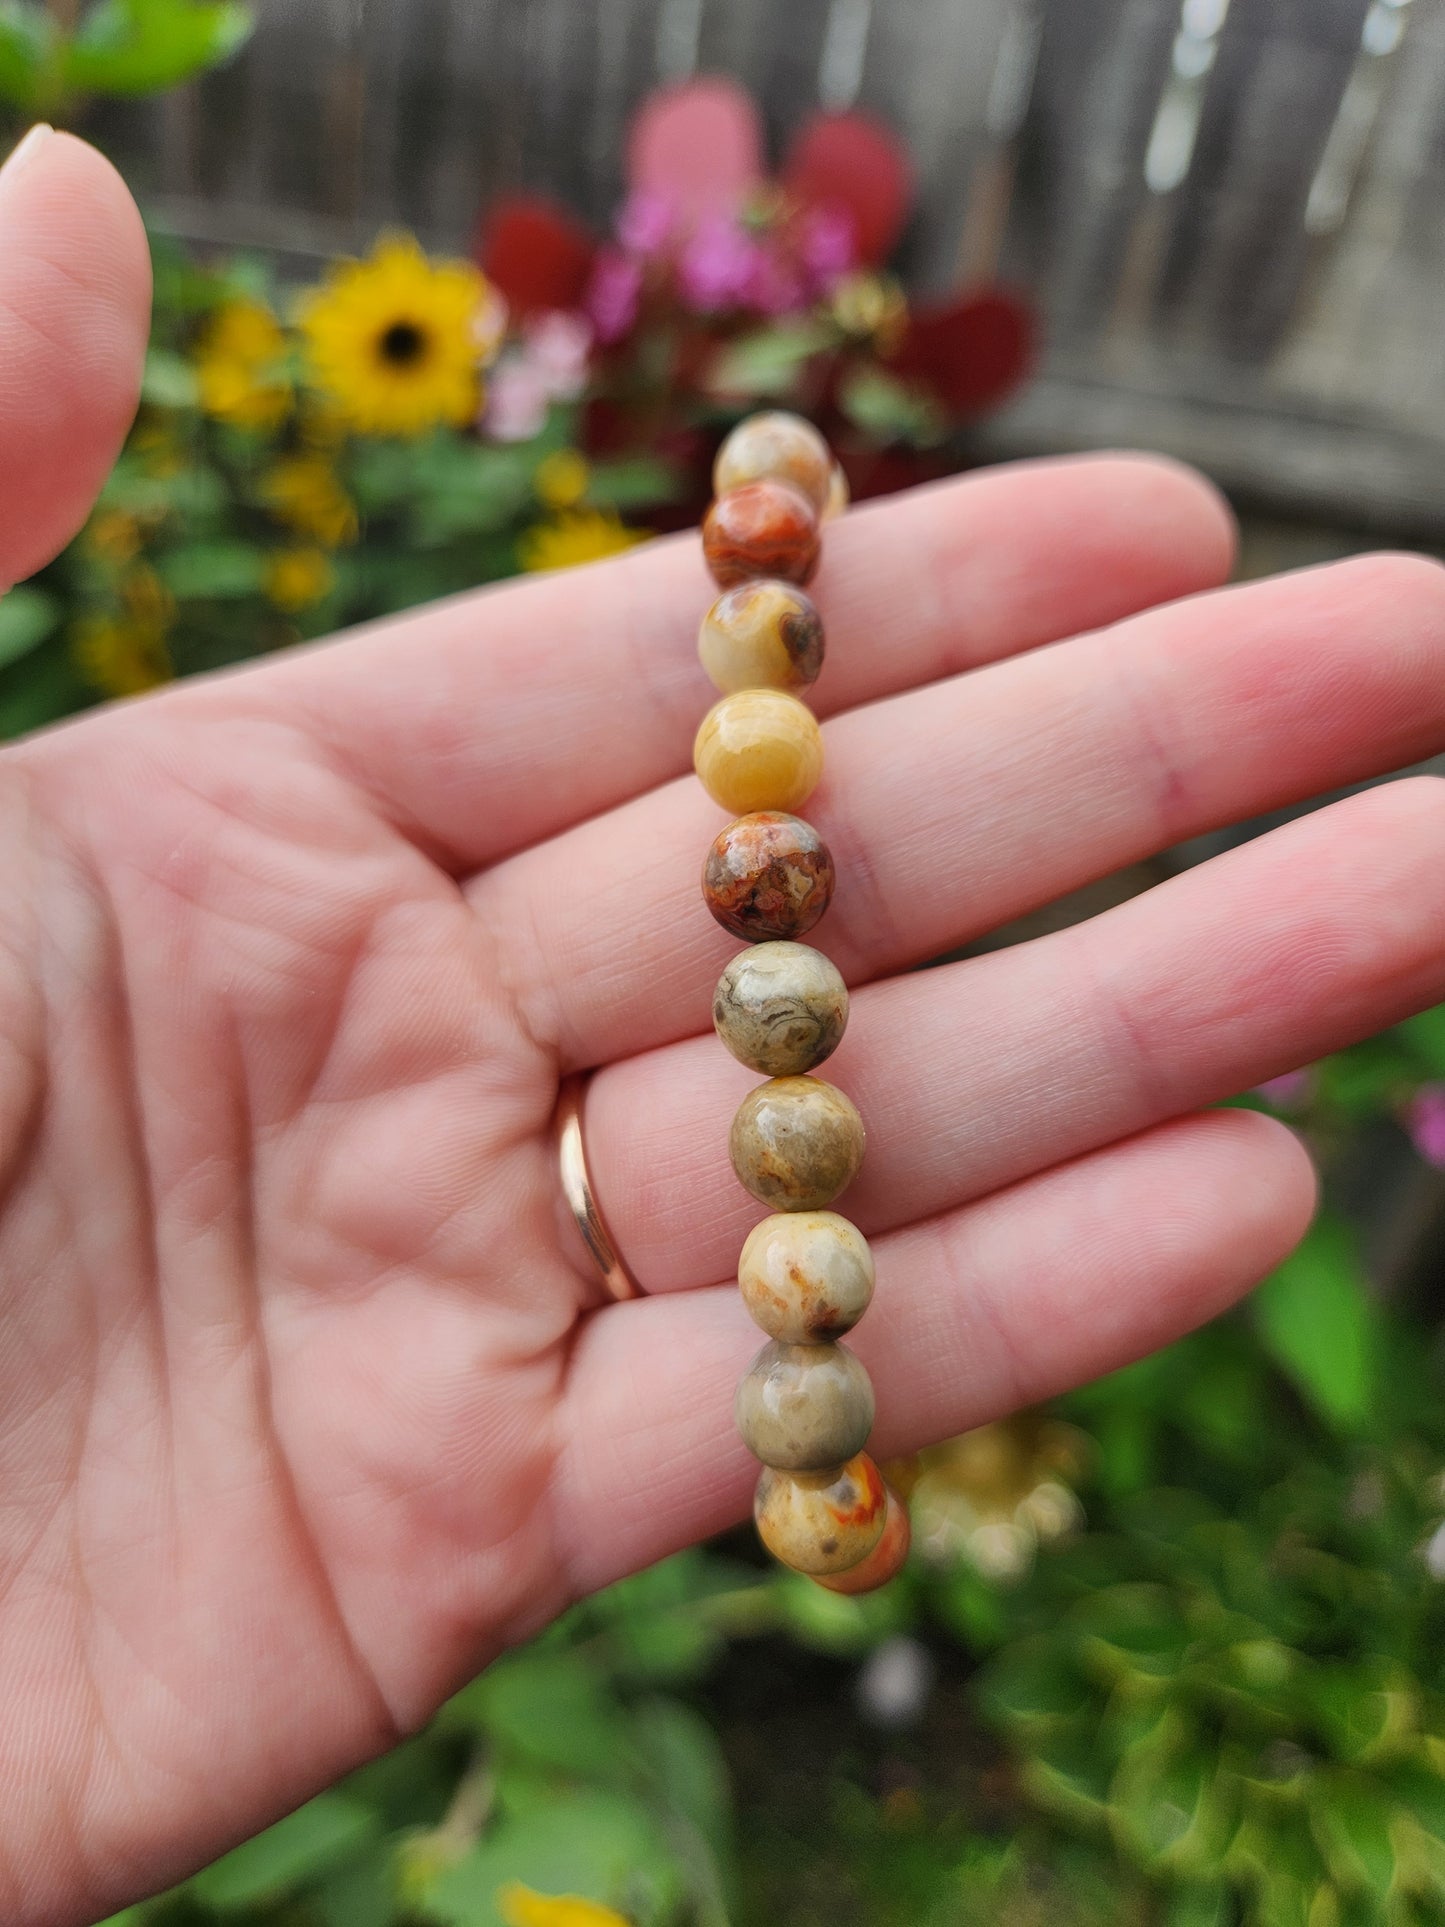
x=822 y=1522
x=775 y=447
x=762 y=634
x=759 y=749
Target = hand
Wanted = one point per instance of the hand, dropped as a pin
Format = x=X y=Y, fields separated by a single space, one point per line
x=303 y=1411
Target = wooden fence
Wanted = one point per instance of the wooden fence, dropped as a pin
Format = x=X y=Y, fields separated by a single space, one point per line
x=1230 y=213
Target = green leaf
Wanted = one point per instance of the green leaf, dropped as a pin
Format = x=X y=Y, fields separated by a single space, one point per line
x=40 y=689
x=685 y=1758
x=1318 y=1321
x=548 y=1706
x=145 y=46
x=27 y=47
x=889 y=410
x=1352 y=1822
x=596 y=1844
x=637 y=483
x=169 y=380
x=304 y=1845
x=766 y=363
x=203 y=569
x=27 y=616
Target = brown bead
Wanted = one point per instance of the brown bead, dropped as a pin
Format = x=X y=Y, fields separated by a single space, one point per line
x=763 y=528
x=804 y=1407
x=776 y=447
x=780 y=1008
x=883 y=1562
x=759 y=749
x=838 y=495
x=762 y=635
x=768 y=875
x=822 y=1522
x=796 y=1142
x=806 y=1275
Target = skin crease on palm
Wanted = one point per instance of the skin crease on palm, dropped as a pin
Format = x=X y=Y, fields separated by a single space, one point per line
x=306 y=1408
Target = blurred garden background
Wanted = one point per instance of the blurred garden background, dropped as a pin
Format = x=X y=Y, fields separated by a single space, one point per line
x=453 y=289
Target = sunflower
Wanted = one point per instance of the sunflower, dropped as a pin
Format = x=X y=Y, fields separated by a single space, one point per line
x=297 y=578
x=393 y=340
x=572 y=537
x=120 y=656
x=240 y=368
x=305 y=496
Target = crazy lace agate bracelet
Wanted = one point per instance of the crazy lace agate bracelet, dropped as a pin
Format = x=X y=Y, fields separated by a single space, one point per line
x=805 y=1408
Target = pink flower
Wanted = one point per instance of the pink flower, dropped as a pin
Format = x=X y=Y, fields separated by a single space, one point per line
x=557 y=345
x=1287 y=1091
x=775 y=286
x=646 y=223
x=614 y=293
x=516 y=402
x=717 y=266
x=828 y=246
x=1425 y=1121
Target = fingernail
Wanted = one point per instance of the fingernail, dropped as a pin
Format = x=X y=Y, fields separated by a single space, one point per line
x=27 y=150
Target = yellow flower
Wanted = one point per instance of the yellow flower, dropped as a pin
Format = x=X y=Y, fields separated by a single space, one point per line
x=572 y=537
x=304 y=495
x=114 y=536
x=561 y=480
x=297 y=578
x=872 y=307
x=238 y=367
x=520 y=1906
x=148 y=601
x=120 y=657
x=158 y=449
x=392 y=340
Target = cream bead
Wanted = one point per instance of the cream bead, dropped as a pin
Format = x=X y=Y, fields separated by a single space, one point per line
x=796 y=1142
x=803 y=1408
x=775 y=446
x=806 y=1276
x=781 y=1008
x=759 y=749
x=762 y=634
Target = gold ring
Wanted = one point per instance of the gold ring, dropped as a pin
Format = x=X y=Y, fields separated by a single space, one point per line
x=582 y=1199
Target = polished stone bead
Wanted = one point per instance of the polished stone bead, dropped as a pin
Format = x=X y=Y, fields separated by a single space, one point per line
x=796 y=1142
x=806 y=1275
x=822 y=1522
x=804 y=1407
x=780 y=1008
x=768 y=875
x=762 y=635
x=759 y=749
x=838 y=494
x=883 y=1562
x=762 y=528
x=775 y=447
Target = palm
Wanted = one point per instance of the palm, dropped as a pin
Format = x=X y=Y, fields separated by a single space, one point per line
x=305 y=1407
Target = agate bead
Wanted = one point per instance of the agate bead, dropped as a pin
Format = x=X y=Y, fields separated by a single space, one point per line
x=762 y=528
x=802 y=1408
x=762 y=635
x=806 y=1275
x=768 y=876
x=796 y=1142
x=759 y=749
x=822 y=1522
x=838 y=494
x=883 y=1562
x=775 y=447
x=780 y=1008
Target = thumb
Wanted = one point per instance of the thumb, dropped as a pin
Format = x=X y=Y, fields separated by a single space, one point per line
x=74 y=312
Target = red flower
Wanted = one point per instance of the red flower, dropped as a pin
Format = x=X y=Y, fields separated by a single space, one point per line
x=853 y=165
x=971 y=352
x=535 y=253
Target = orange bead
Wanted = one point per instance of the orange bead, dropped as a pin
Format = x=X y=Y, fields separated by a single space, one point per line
x=883 y=1562
x=762 y=528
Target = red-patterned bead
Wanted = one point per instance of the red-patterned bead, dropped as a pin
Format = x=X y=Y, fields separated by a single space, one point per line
x=768 y=876
x=761 y=529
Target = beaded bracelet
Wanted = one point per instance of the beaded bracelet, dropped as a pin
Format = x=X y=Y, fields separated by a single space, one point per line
x=805 y=1408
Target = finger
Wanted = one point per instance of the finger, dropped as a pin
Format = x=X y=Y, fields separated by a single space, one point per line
x=980 y=1073
x=488 y=722
x=953 y=809
x=74 y=310
x=1006 y=1302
